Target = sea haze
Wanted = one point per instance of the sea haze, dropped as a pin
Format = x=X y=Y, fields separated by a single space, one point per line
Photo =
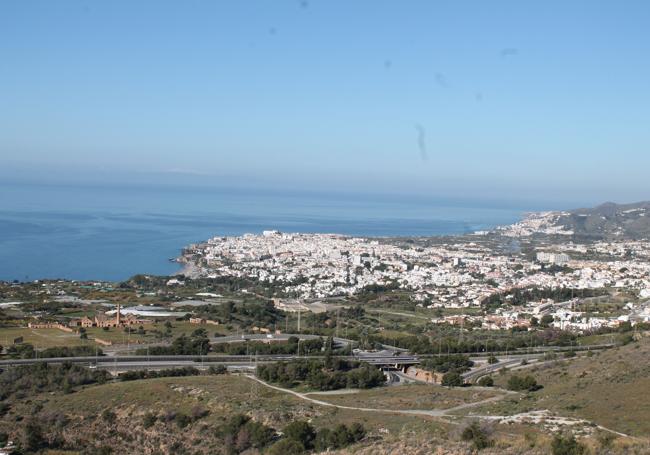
x=112 y=233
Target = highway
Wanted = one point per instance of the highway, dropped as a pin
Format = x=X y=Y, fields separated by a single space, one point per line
x=387 y=358
x=384 y=358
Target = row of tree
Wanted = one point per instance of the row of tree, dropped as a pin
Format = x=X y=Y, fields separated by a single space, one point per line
x=196 y=343
x=134 y=375
x=476 y=342
x=26 y=380
x=292 y=346
x=520 y=297
x=330 y=374
x=442 y=364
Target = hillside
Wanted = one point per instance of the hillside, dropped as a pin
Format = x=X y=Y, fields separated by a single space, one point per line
x=609 y=220
x=608 y=388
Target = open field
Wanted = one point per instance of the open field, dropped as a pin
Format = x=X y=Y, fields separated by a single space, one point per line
x=119 y=336
x=40 y=338
x=46 y=338
x=411 y=396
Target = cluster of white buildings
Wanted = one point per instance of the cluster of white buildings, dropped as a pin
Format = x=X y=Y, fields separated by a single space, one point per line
x=447 y=275
x=553 y=258
x=537 y=223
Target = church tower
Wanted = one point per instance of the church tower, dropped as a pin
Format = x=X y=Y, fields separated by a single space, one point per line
x=117 y=316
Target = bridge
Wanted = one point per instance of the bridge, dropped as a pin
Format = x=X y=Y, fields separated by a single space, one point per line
x=390 y=359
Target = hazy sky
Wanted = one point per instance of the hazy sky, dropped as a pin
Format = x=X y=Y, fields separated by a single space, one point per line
x=496 y=98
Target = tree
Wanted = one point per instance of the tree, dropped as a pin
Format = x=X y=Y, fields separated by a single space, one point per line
x=452 y=379
x=492 y=360
x=546 y=320
x=301 y=432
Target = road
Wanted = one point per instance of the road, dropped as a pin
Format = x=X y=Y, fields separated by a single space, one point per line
x=386 y=358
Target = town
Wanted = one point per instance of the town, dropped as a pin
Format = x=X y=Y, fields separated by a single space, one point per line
x=454 y=274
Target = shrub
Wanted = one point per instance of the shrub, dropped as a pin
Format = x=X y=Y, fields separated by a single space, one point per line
x=492 y=360
x=149 y=420
x=199 y=412
x=550 y=355
x=520 y=384
x=339 y=437
x=31 y=438
x=626 y=338
x=486 y=381
x=478 y=435
x=182 y=420
x=219 y=369
x=109 y=416
x=567 y=445
x=286 y=447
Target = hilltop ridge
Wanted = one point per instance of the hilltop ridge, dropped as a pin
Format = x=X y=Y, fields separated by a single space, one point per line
x=609 y=220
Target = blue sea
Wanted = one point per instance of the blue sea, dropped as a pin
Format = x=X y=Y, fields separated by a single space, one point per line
x=111 y=233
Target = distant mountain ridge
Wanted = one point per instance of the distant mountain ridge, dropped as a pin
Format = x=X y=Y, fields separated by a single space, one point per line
x=609 y=220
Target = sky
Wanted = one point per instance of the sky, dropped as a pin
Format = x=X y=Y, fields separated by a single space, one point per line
x=449 y=98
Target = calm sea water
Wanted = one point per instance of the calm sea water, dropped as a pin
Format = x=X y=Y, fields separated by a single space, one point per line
x=110 y=233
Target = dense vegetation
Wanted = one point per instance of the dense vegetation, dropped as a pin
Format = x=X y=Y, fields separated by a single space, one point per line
x=195 y=344
x=291 y=346
x=239 y=434
x=477 y=341
x=442 y=364
x=325 y=439
x=27 y=351
x=26 y=380
x=149 y=374
x=330 y=374
x=520 y=297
